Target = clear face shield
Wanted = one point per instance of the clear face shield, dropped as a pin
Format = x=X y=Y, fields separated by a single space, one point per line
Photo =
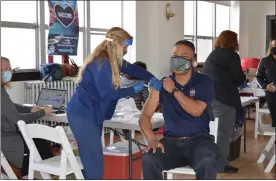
x=127 y=49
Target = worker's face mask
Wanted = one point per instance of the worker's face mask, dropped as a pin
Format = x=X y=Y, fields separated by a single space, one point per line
x=273 y=50
x=127 y=49
x=180 y=65
x=6 y=76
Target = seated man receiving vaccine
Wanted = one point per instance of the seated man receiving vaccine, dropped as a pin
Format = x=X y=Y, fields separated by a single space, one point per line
x=184 y=97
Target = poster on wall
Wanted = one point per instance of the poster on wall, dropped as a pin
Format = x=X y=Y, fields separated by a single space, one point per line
x=63 y=27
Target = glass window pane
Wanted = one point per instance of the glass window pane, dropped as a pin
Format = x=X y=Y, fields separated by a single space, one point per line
x=189 y=39
x=22 y=52
x=58 y=59
x=95 y=40
x=105 y=14
x=204 y=48
x=18 y=11
x=222 y=18
x=205 y=18
x=189 y=17
x=80 y=5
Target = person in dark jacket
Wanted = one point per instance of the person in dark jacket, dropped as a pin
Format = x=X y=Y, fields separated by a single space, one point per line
x=223 y=65
x=266 y=77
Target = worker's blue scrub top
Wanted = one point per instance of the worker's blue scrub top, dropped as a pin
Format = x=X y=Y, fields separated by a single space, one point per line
x=95 y=96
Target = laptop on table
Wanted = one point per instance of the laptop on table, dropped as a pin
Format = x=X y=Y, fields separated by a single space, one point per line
x=52 y=97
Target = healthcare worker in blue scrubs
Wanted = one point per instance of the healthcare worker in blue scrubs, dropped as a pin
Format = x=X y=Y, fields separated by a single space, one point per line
x=97 y=94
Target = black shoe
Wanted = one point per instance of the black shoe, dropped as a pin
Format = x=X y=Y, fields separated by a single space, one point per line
x=230 y=169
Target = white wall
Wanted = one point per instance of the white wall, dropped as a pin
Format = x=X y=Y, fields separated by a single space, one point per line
x=156 y=35
x=252 y=26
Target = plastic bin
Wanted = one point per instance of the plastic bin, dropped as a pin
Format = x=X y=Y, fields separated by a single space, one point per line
x=234 y=149
x=116 y=164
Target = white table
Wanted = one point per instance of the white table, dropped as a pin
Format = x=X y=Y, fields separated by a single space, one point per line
x=157 y=121
x=245 y=102
x=257 y=92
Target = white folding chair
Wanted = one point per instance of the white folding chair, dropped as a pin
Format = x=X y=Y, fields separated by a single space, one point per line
x=168 y=174
x=269 y=147
x=259 y=125
x=7 y=168
x=57 y=165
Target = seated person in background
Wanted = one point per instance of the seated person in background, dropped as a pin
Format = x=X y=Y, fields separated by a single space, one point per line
x=141 y=97
x=184 y=98
x=12 y=143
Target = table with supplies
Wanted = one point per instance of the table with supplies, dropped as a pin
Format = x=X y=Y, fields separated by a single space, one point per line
x=126 y=116
x=245 y=102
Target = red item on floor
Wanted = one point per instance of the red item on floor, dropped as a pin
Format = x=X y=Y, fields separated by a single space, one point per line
x=160 y=131
x=116 y=162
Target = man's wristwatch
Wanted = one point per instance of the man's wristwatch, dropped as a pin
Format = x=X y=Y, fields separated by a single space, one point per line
x=175 y=90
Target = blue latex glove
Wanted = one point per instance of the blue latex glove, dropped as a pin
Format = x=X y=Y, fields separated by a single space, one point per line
x=139 y=86
x=155 y=83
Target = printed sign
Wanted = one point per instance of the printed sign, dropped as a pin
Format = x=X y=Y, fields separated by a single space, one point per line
x=63 y=27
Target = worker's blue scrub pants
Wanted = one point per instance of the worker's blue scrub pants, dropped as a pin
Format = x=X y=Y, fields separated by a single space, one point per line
x=88 y=136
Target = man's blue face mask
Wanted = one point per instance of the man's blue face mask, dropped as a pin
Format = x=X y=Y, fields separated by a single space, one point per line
x=179 y=63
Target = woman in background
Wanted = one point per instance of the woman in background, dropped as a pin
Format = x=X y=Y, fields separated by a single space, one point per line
x=97 y=94
x=223 y=65
x=266 y=77
x=12 y=143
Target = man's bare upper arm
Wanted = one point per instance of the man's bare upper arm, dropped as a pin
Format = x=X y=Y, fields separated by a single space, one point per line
x=151 y=104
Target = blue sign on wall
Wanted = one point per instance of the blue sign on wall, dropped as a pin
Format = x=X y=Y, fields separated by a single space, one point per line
x=63 y=27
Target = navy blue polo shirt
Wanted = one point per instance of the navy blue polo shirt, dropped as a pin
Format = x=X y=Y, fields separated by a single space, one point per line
x=179 y=123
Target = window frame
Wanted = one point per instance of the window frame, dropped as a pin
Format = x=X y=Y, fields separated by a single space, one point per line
x=195 y=37
x=40 y=28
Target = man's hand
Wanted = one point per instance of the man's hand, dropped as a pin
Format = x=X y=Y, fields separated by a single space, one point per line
x=153 y=144
x=168 y=84
x=36 y=108
x=271 y=87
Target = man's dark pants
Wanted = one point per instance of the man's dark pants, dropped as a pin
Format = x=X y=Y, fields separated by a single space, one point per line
x=199 y=152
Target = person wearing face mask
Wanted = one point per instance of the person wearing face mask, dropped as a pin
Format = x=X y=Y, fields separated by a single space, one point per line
x=97 y=94
x=266 y=77
x=223 y=65
x=185 y=97
x=12 y=143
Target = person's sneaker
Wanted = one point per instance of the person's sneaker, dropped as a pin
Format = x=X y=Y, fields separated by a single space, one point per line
x=230 y=169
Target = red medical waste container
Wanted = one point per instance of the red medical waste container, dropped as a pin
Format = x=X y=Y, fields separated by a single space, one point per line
x=116 y=162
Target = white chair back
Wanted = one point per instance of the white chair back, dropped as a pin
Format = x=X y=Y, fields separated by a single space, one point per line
x=57 y=135
x=214 y=128
x=7 y=168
